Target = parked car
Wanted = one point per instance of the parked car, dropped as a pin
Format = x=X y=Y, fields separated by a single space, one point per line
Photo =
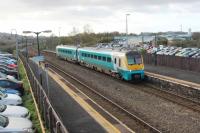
x=5 y=54
x=8 y=64
x=14 y=111
x=197 y=55
x=15 y=125
x=3 y=75
x=7 y=67
x=9 y=61
x=10 y=99
x=13 y=73
x=183 y=51
x=10 y=91
x=7 y=58
x=11 y=83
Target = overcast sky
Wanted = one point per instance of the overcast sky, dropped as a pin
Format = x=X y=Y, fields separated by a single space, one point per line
x=101 y=15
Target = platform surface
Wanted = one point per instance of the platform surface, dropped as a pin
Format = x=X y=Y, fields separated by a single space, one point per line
x=174 y=73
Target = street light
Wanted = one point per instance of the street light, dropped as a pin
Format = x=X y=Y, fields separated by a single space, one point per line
x=17 y=55
x=37 y=33
x=127 y=28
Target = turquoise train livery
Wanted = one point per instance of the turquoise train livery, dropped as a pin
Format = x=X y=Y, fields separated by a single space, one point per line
x=118 y=62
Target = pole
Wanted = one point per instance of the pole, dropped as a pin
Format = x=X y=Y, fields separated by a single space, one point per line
x=17 y=54
x=127 y=29
x=26 y=50
x=37 y=33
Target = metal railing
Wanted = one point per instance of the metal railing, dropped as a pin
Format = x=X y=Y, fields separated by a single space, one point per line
x=51 y=120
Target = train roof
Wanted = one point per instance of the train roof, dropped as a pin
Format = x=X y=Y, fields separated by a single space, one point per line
x=117 y=50
x=66 y=46
x=107 y=50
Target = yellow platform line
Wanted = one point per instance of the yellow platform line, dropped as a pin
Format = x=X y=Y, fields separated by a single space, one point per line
x=92 y=112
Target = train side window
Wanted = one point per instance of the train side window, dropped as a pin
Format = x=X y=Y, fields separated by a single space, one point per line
x=115 y=60
x=99 y=57
x=92 y=56
x=108 y=59
x=104 y=58
x=95 y=57
x=88 y=55
x=119 y=63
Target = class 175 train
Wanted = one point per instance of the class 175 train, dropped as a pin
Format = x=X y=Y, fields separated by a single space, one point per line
x=121 y=63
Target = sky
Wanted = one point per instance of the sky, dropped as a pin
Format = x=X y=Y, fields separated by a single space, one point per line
x=61 y=16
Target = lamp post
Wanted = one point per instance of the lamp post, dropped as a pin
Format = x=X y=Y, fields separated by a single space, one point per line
x=127 y=28
x=17 y=54
x=37 y=34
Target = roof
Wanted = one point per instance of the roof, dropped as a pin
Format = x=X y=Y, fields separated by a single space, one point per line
x=102 y=50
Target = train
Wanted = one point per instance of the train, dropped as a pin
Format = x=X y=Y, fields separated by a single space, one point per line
x=117 y=62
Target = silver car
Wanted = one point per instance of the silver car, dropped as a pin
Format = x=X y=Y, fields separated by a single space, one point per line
x=10 y=99
x=15 y=125
x=14 y=111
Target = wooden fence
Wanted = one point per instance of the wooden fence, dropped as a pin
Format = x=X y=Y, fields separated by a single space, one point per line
x=191 y=64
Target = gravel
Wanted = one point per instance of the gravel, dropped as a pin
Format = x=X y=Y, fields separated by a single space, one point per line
x=165 y=115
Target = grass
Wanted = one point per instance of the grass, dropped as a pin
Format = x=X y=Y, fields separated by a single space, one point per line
x=28 y=99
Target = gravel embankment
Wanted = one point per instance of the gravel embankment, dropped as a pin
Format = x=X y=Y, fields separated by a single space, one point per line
x=161 y=113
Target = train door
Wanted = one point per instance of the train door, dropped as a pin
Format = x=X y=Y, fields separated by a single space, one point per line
x=77 y=54
x=117 y=62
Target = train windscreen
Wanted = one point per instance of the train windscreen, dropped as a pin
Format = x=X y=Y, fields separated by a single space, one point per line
x=134 y=58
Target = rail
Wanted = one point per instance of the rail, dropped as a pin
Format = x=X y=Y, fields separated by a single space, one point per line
x=50 y=117
x=138 y=119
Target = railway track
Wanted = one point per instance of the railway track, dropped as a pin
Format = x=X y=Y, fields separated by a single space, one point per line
x=133 y=121
x=151 y=89
x=167 y=95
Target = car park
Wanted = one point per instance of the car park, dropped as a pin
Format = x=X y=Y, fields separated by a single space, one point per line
x=10 y=99
x=15 y=125
x=14 y=111
x=11 y=83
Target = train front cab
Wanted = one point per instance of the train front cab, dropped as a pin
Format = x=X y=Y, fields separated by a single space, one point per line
x=134 y=67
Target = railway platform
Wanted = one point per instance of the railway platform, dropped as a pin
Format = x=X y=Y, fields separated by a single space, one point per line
x=189 y=76
x=79 y=116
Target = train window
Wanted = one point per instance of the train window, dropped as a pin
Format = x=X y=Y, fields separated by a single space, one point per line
x=119 y=62
x=83 y=54
x=108 y=59
x=89 y=55
x=92 y=56
x=99 y=57
x=104 y=58
x=95 y=57
x=115 y=60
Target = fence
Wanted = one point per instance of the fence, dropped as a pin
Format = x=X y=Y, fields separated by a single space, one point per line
x=49 y=116
x=191 y=64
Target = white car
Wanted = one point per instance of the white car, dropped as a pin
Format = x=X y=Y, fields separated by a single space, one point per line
x=15 y=125
x=10 y=99
x=14 y=111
